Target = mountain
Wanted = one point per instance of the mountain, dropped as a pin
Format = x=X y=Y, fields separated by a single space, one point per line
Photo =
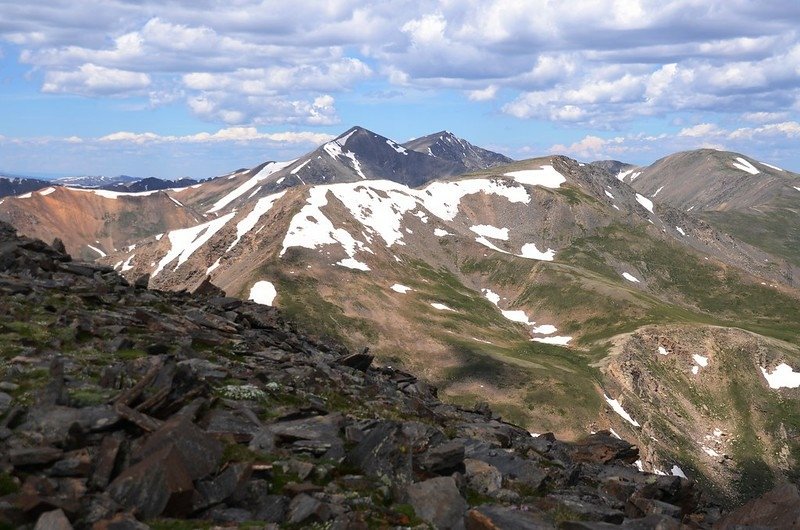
x=756 y=202
x=444 y=145
x=129 y=408
x=360 y=154
x=94 y=181
x=94 y=222
x=150 y=184
x=547 y=287
x=20 y=185
x=613 y=166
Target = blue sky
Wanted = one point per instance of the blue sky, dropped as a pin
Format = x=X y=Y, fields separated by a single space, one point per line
x=198 y=88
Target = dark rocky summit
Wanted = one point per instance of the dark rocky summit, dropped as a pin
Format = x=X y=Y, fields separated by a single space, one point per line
x=124 y=408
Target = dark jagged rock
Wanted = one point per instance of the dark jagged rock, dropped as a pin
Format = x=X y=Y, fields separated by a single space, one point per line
x=162 y=404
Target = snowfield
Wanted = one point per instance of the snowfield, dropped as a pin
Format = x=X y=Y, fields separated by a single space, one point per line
x=263 y=292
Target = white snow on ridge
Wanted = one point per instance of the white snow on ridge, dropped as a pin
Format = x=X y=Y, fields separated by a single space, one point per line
x=352 y=263
x=186 y=240
x=544 y=329
x=439 y=232
x=399 y=148
x=619 y=410
x=630 y=277
x=776 y=168
x=402 y=289
x=47 y=191
x=251 y=183
x=797 y=188
x=213 y=267
x=783 y=376
x=658 y=191
x=608 y=193
x=662 y=350
x=441 y=307
x=746 y=166
x=680 y=230
x=622 y=174
x=25 y=195
x=263 y=205
x=176 y=201
x=102 y=254
x=490 y=231
x=263 y=292
x=545 y=176
x=108 y=194
x=443 y=198
x=298 y=168
x=645 y=202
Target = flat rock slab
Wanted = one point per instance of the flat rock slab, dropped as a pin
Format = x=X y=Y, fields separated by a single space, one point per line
x=438 y=502
x=503 y=518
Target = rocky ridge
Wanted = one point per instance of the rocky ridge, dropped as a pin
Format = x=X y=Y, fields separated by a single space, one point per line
x=122 y=407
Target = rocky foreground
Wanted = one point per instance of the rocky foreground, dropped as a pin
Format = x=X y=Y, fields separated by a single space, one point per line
x=124 y=408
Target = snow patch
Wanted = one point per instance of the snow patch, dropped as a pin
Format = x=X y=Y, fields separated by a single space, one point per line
x=263 y=292
x=399 y=148
x=251 y=183
x=213 y=267
x=776 y=168
x=491 y=296
x=295 y=170
x=530 y=251
x=646 y=203
x=783 y=376
x=658 y=191
x=545 y=176
x=186 y=240
x=557 y=340
x=700 y=360
x=710 y=452
x=662 y=350
x=262 y=206
x=127 y=265
x=402 y=289
x=630 y=277
x=25 y=195
x=47 y=191
x=441 y=307
x=176 y=201
x=545 y=329
x=677 y=472
x=746 y=166
x=438 y=232
x=619 y=410
x=159 y=236
x=680 y=230
x=608 y=194
x=352 y=263
x=490 y=231
x=102 y=254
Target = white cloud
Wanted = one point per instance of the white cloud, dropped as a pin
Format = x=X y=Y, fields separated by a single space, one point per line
x=229 y=134
x=485 y=94
x=702 y=130
x=91 y=79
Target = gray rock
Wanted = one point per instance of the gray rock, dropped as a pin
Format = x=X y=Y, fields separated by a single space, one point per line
x=55 y=520
x=482 y=476
x=384 y=452
x=438 y=502
x=306 y=509
x=199 y=452
x=5 y=402
x=444 y=458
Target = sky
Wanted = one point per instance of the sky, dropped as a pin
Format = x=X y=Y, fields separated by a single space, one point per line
x=198 y=88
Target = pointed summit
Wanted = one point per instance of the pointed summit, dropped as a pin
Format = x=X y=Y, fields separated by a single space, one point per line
x=444 y=145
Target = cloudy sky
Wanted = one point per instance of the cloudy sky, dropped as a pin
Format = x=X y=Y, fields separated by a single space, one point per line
x=200 y=87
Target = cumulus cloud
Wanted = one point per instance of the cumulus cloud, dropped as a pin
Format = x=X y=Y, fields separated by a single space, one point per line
x=593 y=63
x=91 y=80
x=484 y=94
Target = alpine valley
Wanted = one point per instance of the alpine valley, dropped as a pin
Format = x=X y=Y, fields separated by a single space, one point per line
x=660 y=303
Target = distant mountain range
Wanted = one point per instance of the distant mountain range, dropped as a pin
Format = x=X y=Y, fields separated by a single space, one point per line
x=574 y=297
